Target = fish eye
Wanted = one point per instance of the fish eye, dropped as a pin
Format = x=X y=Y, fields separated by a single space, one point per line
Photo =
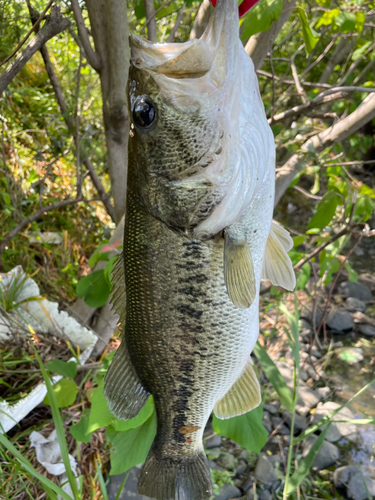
x=144 y=112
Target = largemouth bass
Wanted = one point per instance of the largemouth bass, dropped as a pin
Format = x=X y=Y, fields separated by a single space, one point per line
x=198 y=233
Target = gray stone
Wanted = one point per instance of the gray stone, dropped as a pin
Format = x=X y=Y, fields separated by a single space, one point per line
x=358 y=486
x=264 y=495
x=324 y=392
x=339 y=321
x=317 y=354
x=226 y=461
x=353 y=304
x=241 y=467
x=265 y=472
x=300 y=423
x=272 y=408
x=307 y=398
x=213 y=465
x=274 y=459
x=244 y=455
x=337 y=430
x=229 y=491
x=267 y=421
x=212 y=441
x=304 y=375
x=356 y=290
x=278 y=423
x=367 y=330
x=129 y=491
x=342 y=475
x=327 y=455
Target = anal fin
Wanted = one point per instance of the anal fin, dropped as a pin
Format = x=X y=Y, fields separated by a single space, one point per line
x=243 y=396
x=239 y=271
x=123 y=389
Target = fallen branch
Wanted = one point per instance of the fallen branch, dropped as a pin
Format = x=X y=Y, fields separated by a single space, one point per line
x=54 y=25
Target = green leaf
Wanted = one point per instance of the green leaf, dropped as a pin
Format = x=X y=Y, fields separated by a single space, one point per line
x=66 y=369
x=305 y=464
x=346 y=22
x=361 y=18
x=143 y=415
x=261 y=16
x=94 y=288
x=298 y=240
x=353 y=275
x=310 y=36
x=130 y=448
x=274 y=376
x=108 y=270
x=80 y=430
x=361 y=50
x=247 y=430
x=304 y=276
x=325 y=210
x=364 y=207
x=65 y=391
x=97 y=256
x=327 y=18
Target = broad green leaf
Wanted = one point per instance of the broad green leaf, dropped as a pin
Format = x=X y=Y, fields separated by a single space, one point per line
x=361 y=18
x=247 y=430
x=364 y=207
x=310 y=36
x=130 y=448
x=325 y=210
x=66 y=369
x=304 y=276
x=274 y=376
x=367 y=190
x=97 y=256
x=80 y=430
x=298 y=240
x=108 y=270
x=65 y=391
x=346 y=22
x=305 y=464
x=94 y=288
x=353 y=275
x=327 y=18
x=260 y=17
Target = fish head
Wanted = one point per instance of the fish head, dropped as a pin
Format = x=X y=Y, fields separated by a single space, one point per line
x=195 y=149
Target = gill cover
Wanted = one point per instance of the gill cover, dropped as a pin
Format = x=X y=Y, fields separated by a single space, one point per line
x=216 y=65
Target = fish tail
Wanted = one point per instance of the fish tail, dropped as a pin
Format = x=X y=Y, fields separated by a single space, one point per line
x=165 y=478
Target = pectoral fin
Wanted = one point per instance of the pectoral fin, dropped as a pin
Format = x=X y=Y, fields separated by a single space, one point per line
x=277 y=266
x=123 y=389
x=243 y=396
x=239 y=271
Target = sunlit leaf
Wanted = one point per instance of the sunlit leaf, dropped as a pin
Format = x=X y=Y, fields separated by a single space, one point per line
x=310 y=36
x=325 y=210
x=260 y=17
x=62 y=368
x=94 y=288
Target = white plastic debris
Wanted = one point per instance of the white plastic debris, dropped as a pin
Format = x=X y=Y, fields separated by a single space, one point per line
x=48 y=454
x=47 y=237
x=42 y=316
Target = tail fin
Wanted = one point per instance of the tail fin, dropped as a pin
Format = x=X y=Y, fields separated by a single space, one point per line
x=169 y=479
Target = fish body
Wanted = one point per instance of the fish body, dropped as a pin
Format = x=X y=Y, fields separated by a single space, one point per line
x=200 y=193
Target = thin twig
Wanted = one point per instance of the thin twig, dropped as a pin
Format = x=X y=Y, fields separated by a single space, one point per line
x=297 y=82
x=177 y=24
x=21 y=44
x=91 y=56
x=155 y=14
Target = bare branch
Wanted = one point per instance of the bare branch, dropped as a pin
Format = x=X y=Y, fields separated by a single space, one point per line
x=91 y=55
x=341 y=51
x=163 y=6
x=338 y=132
x=177 y=24
x=33 y=28
x=299 y=88
x=201 y=19
x=151 y=21
x=54 y=25
x=260 y=44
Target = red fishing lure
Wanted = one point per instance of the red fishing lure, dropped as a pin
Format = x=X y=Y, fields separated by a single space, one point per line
x=243 y=8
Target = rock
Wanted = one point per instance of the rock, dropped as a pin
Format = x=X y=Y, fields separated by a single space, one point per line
x=327 y=455
x=367 y=330
x=324 y=392
x=267 y=421
x=342 y=475
x=304 y=375
x=129 y=491
x=278 y=424
x=276 y=459
x=317 y=354
x=357 y=489
x=226 y=461
x=272 y=408
x=353 y=304
x=339 y=429
x=339 y=321
x=244 y=455
x=264 y=495
x=241 y=467
x=300 y=423
x=265 y=472
x=213 y=465
x=356 y=290
x=307 y=398
x=212 y=441
x=229 y=491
